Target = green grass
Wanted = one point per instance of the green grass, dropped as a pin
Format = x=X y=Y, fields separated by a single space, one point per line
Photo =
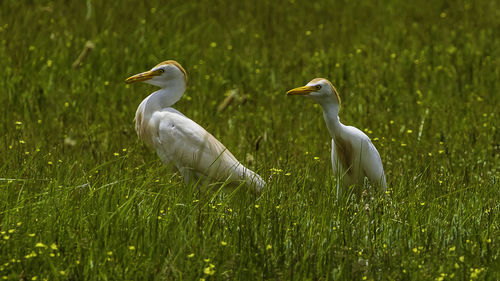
x=82 y=198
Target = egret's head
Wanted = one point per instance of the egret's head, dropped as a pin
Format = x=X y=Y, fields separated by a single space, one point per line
x=319 y=89
x=161 y=75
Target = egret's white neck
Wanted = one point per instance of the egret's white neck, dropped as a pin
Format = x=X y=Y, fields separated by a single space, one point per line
x=165 y=97
x=331 y=115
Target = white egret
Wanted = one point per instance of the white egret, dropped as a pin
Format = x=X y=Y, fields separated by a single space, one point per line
x=179 y=140
x=353 y=156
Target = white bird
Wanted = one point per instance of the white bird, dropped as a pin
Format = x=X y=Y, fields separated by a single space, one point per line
x=179 y=140
x=353 y=156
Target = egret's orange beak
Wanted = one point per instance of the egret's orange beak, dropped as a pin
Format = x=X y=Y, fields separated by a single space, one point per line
x=143 y=76
x=301 y=91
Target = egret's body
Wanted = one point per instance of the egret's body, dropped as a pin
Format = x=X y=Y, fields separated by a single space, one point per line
x=179 y=140
x=353 y=156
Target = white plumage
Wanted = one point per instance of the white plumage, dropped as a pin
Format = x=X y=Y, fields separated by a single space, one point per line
x=179 y=140
x=353 y=156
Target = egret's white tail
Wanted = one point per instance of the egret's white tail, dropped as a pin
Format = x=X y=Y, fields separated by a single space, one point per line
x=253 y=180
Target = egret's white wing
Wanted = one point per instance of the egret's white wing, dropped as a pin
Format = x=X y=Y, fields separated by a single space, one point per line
x=372 y=164
x=191 y=147
x=334 y=158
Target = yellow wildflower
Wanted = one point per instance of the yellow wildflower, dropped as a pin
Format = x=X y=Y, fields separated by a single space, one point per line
x=209 y=270
x=30 y=255
x=40 y=245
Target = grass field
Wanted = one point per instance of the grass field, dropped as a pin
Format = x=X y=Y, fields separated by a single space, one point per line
x=81 y=198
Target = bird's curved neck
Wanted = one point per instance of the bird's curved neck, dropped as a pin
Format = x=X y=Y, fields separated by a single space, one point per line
x=165 y=97
x=331 y=115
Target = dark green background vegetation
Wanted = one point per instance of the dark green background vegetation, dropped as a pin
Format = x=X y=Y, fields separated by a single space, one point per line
x=82 y=198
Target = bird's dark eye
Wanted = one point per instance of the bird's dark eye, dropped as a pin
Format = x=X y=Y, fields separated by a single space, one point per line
x=161 y=70
x=318 y=87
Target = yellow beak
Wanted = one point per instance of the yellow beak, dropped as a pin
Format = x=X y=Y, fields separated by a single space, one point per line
x=143 y=76
x=301 y=91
